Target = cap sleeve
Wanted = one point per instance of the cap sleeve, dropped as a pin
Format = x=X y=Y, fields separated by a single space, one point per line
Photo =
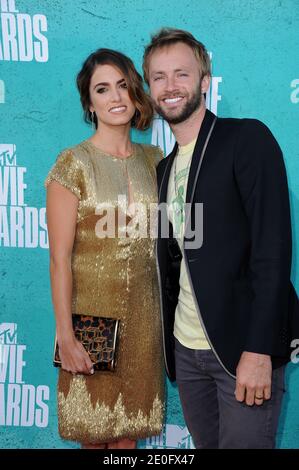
x=154 y=154
x=67 y=171
x=158 y=155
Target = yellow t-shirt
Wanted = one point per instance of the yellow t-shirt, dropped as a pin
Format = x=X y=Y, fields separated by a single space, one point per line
x=187 y=326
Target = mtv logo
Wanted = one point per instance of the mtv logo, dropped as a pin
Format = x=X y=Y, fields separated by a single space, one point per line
x=173 y=437
x=8 y=155
x=8 y=333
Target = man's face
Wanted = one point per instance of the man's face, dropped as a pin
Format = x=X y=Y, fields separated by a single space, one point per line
x=175 y=82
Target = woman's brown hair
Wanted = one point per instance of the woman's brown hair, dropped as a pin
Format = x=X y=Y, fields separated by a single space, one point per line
x=144 y=110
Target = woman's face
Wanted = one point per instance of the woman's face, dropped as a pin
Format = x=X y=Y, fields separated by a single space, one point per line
x=109 y=96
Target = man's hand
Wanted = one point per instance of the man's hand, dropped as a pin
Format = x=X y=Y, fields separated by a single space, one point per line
x=254 y=374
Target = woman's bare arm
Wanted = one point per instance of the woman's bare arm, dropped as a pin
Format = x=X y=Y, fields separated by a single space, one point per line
x=62 y=207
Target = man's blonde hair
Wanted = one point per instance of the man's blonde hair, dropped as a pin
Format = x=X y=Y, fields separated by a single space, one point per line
x=169 y=36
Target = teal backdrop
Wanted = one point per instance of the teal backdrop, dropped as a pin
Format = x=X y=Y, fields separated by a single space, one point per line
x=254 y=46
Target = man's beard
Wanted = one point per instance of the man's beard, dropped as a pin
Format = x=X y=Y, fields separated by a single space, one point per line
x=192 y=105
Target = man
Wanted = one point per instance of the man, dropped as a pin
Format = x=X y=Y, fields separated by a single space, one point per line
x=229 y=309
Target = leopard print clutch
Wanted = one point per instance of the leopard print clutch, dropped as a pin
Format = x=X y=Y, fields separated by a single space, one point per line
x=99 y=336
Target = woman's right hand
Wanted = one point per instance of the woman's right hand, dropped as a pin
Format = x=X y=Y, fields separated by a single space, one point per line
x=74 y=357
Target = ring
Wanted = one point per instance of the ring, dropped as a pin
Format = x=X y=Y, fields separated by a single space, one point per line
x=259 y=398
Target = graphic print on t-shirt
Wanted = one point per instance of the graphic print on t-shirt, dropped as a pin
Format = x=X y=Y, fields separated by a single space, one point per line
x=178 y=201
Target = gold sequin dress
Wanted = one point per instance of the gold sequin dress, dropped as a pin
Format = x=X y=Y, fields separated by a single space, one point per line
x=114 y=277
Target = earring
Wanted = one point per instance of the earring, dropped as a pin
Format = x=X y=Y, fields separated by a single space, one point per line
x=93 y=120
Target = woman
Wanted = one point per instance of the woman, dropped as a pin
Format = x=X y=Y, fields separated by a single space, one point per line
x=112 y=276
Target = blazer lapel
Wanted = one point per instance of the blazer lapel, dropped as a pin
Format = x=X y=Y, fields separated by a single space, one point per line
x=196 y=163
x=200 y=142
x=199 y=147
x=166 y=174
x=206 y=128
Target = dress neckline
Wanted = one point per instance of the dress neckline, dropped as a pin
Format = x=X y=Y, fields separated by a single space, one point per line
x=110 y=155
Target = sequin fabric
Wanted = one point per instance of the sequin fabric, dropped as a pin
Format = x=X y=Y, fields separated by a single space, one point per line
x=114 y=277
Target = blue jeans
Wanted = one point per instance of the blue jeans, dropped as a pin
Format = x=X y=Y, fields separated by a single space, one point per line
x=215 y=419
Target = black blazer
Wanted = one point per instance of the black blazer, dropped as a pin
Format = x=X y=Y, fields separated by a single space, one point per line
x=240 y=275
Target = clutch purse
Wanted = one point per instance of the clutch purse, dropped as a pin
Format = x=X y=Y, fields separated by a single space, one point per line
x=99 y=336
